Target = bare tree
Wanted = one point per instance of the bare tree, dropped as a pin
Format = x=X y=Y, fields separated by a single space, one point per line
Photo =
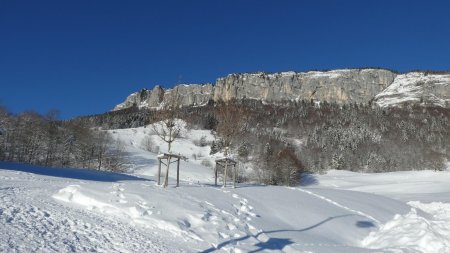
x=114 y=157
x=168 y=128
x=228 y=127
x=52 y=137
x=100 y=146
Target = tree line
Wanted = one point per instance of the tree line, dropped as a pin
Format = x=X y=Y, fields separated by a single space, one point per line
x=44 y=140
x=281 y=141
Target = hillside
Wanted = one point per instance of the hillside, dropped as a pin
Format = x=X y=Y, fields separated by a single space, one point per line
x=69 y=210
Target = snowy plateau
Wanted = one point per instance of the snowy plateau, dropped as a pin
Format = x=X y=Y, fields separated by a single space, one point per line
x=74 y=210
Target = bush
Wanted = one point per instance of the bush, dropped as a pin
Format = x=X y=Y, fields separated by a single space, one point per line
x=207 y=163
x=202 y=142
x=149 y=145
x=216 y=146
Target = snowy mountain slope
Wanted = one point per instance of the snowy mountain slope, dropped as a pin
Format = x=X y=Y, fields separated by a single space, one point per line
x=53 y=210
x=417 y=88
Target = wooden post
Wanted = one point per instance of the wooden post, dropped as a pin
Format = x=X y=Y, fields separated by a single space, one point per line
x=166 y=179
x=215 y=174
x=225 y=174
x=234 y=176
x=178 y=172
x=159 y=171
x=226 y=167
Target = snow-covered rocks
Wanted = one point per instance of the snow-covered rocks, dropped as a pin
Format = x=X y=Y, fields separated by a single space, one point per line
x=417 y=88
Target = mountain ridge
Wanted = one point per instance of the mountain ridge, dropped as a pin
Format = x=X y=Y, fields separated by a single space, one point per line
x=341 y=86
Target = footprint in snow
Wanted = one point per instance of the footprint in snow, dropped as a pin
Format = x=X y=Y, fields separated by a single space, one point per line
x=231 y=226
x=223 y=235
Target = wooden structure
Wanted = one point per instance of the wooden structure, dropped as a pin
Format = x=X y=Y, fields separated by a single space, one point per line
x=225 y=162
x=167 y=159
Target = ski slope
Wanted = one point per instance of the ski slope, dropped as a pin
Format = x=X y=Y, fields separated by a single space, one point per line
x=71 y=210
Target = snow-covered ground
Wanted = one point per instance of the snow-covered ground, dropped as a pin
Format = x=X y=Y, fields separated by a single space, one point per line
x=425 y=228
x=70 y=210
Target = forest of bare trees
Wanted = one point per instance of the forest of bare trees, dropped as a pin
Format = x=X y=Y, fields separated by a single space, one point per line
x=44 y=140
x=281 y=141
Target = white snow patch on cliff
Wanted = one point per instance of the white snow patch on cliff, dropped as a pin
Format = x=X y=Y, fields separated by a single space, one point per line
x=414 y=87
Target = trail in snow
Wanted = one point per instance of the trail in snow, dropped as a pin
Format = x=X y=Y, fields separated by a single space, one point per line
x=424 y=228
x=337 y=204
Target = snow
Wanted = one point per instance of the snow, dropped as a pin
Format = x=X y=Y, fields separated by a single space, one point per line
x=425 y=228
x=425 y=185
x=411 y=87
x=327 y=74
x=145 y=163
x=311 y=74
x=411 y=231
x=73 y=210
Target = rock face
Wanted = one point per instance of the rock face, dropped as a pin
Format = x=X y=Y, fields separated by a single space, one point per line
x=181 y=95
x=143 y=98
x=417 y=88
x=339 y=86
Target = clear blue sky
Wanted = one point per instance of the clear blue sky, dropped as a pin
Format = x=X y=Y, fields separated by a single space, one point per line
x=84 y=57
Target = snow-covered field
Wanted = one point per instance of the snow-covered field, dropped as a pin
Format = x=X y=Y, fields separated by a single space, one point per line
x=70 y=210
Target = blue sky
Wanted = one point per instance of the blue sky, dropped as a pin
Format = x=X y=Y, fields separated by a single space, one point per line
x=84 y=57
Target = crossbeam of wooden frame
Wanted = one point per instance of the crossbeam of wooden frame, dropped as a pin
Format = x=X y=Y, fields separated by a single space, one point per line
x=225 y=162
x=165 y=163
x=168 y=157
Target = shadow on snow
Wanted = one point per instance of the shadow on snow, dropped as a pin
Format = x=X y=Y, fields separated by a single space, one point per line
x=280 y=243
x=308 y=179
x=82 y=174
x=139 y=162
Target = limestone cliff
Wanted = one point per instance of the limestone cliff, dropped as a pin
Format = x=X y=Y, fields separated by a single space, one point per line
x=339 y=86
x=181 y=95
